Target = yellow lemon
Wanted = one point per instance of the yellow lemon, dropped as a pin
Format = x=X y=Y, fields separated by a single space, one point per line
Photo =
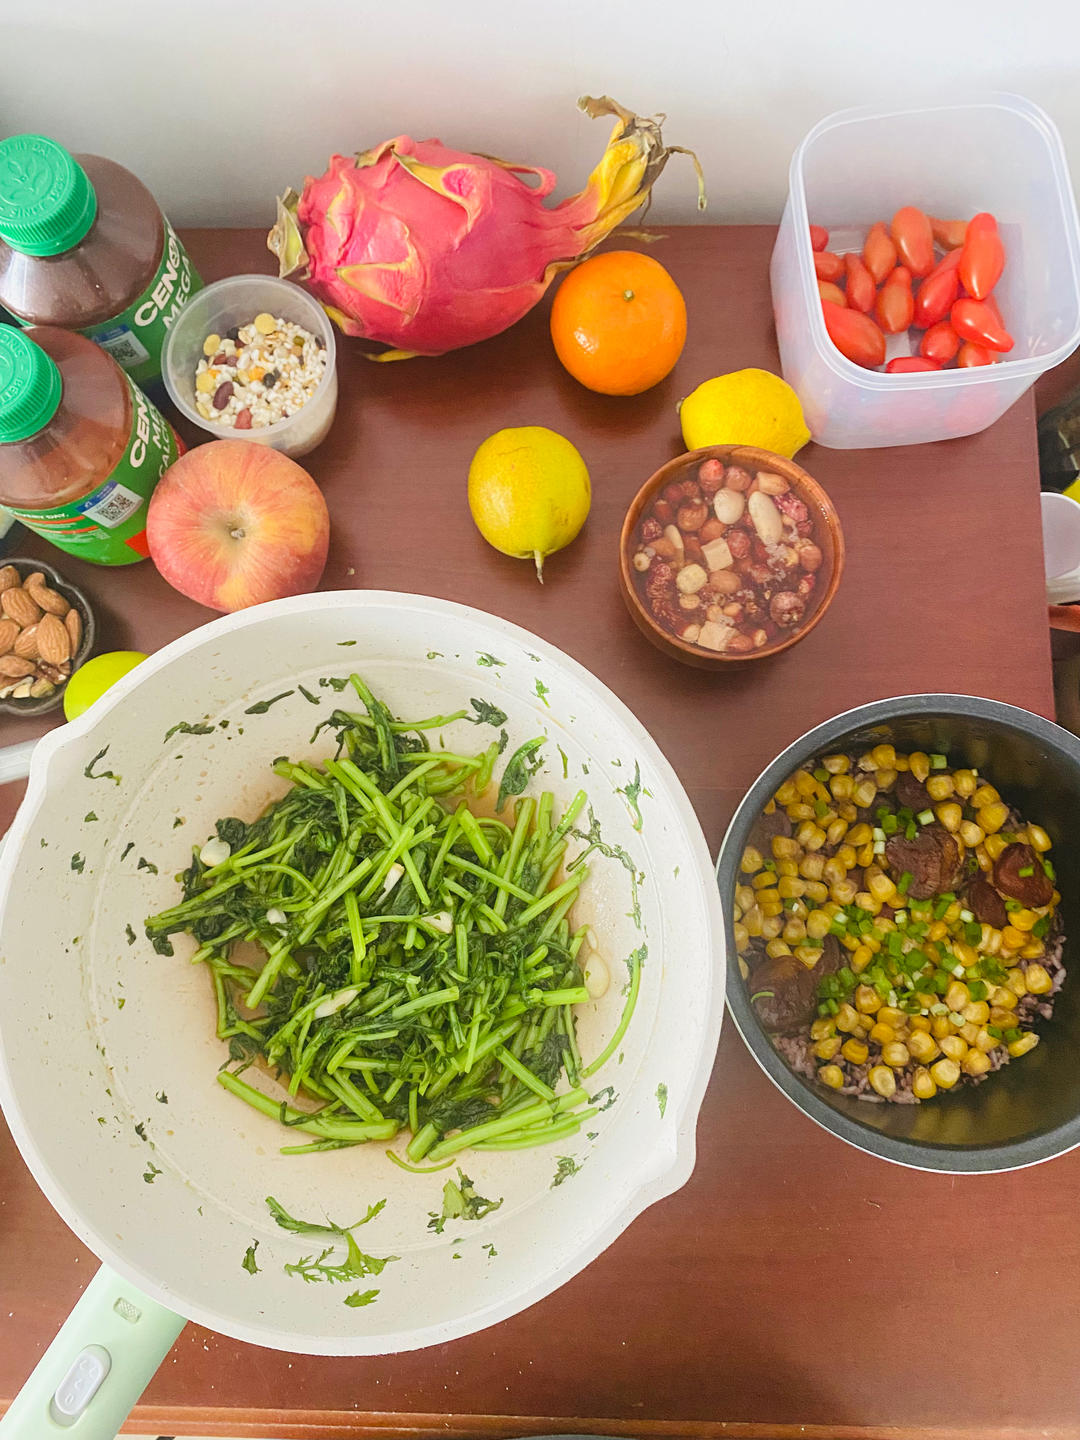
x=747 y=407
x=95 y=677
x=528 y=492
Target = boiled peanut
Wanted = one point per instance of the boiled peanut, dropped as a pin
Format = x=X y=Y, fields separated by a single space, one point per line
x=725 y=582
x=711 y=530
x=736 y=478
x=772 y=484
x=691 y=517
x=766 y=518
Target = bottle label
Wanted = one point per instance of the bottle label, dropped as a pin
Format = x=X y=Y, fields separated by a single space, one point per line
x=136 y=337
x=108 y=526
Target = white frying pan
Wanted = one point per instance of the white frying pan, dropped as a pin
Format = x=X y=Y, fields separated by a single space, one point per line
x=95 y=1030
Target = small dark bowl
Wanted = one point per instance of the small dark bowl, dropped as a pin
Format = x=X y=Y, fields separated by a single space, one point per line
x=829 y=537
x=1030 y=1110
x=75 y=597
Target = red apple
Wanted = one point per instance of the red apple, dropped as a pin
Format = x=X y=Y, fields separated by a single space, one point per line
x=233 y=523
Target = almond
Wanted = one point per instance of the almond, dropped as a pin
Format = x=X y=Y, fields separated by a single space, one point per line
x=73 y=624
x=9 y=577
x=36 y=578
x=25 y=642
x=53 y=640
x=9 y=633
x=50 y=600
x=14 y=667
x=17 y=605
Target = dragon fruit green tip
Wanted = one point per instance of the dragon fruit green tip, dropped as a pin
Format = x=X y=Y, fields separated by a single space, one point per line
x=426 y=249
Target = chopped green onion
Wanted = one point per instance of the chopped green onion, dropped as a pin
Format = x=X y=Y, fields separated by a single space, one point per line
x=925 y=817
x=834 y=1008
x=994 y=1030
x=821 y=775
x=878 y=833
x=938 y=762
x=879 y=847
x=978 y=990
x=1026 y=871
x=1041 y=927
x=939 y=1009
x=966 y=916
x=1012 y=1034
x=903 y=883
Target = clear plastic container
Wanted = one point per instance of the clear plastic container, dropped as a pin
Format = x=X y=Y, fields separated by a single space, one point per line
x=236 y=301
x=1001 y=154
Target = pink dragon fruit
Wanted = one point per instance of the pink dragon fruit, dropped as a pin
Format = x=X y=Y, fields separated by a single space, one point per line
x=427 y=249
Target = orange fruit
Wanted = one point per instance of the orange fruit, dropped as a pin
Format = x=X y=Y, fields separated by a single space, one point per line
x=619 y=322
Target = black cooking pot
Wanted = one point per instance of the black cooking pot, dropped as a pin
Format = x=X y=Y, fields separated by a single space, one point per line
x=1030 y=1110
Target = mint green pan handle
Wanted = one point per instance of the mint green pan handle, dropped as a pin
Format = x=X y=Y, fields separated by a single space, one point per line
x=104 y=1356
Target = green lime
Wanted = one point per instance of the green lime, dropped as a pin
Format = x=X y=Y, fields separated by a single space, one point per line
x=95 y=677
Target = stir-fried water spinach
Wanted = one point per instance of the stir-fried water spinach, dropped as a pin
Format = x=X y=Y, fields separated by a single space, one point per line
x=418 y=969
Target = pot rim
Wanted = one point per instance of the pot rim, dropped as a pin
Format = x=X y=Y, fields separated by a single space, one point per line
x=916 y=1155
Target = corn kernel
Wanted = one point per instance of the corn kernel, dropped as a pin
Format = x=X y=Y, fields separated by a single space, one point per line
x=945 y=1073
x=860 y=834
x=885 y=779
x=920 y=1024
x=833 y=870
x=786 y=793
x=808 y=954
x=847 y=811
x=977 y=1011
x=968 y=956
x=984 y=795
x=922 y=1046
x=841 y=786
x=975 y=1063
x=901 y=763
x=953 y=1047
x=939 y=787
x=1023 y=919
x=994 y=845
x=787 y=867
x=832 y=1076
x=867 y=1000
x=742 y=936
x=986 y=1042
x=836 y=831
x=752 y=860
x=836 y=764
x=790 y=887
x=937 y=931
x=1032 y=950
x=752 y=920
x=950 y=815
x=1027 y=1042
x=772 y=925
x=763 y=881
x=882 y=1080
x=817 y=891
x=1012 y=938
x=890 y=1015
x=860 y=959
x=883 y=756
x=882 y=1034
x=856 y=1051
x=1002 y=1015
x=895 y=1054
x=982 y=859
x=971 y=834
x=990 y=940
x=864 y=793
x=818 y=924
x=801 y=811
x=795 y=930
x=844 y=891
x=880 y=886
x=867 y=902
x=822 y=1029
x=744 y=896
x=1038 y=839
x=777 y=948
x=940 y=1027
x=805 y=784
x=968 y=1032
x=784 y=847
x=922 y=1084
x=956 y=996
x=965 y=782
x=846 y=854
x=1037 y=979
x=992 y=817
x=812 y=867
x=826 y=1049
x=919 y=762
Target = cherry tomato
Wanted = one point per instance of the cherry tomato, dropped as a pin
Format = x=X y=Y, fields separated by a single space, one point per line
x=828 y=291
x=937 y=292
x=861 y=291
x=828 y=266
x=974 y=355
x=879 y=252
x=914 y=239
x=940 y=343
x=854 y=335
x=983 y=256
x=949 y=234
x=819 y=237
x=910 y=365
x=895 y=304
x=980 y=322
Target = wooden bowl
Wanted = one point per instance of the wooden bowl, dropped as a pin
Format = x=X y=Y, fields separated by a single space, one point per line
x=75 y=598
x=828 y=535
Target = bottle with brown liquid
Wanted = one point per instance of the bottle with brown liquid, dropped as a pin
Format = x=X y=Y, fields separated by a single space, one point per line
x=81 y=449
x=83 y=245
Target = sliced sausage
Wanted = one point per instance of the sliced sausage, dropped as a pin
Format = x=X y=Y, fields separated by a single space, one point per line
x=986 y=904
x=783 y=991
x=1032 y=889
x=932 y=859
x=911 y=792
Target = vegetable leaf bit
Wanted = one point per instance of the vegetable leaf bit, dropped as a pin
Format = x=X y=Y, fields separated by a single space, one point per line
x=316 y=1269
x=248 y=1262
x=460 y=1202
x=520 y=769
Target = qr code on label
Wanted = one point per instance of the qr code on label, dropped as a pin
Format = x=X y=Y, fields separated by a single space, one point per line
x=123 y=346
x=115 y=508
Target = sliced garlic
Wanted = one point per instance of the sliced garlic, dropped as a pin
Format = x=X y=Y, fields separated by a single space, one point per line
x=443 y=921
x=215 y=852
x=393 y=875
x=597 y=976
x=333 y=1003
x=274 y=916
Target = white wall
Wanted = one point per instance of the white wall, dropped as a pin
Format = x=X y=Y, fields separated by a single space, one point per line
x=219 y=104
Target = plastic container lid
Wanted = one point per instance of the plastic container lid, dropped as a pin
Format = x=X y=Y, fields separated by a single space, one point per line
x=30 y=386
x=47 y=203
x=1061 y=546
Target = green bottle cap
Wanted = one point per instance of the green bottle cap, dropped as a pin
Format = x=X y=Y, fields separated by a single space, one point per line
x=30 y=386
x=47 y=203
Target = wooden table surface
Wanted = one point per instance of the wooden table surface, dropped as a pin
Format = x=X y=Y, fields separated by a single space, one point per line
x=795 y=1286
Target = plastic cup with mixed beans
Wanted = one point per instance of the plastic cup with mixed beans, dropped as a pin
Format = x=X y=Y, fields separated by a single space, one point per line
x=727 y=558
x=897 y=925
